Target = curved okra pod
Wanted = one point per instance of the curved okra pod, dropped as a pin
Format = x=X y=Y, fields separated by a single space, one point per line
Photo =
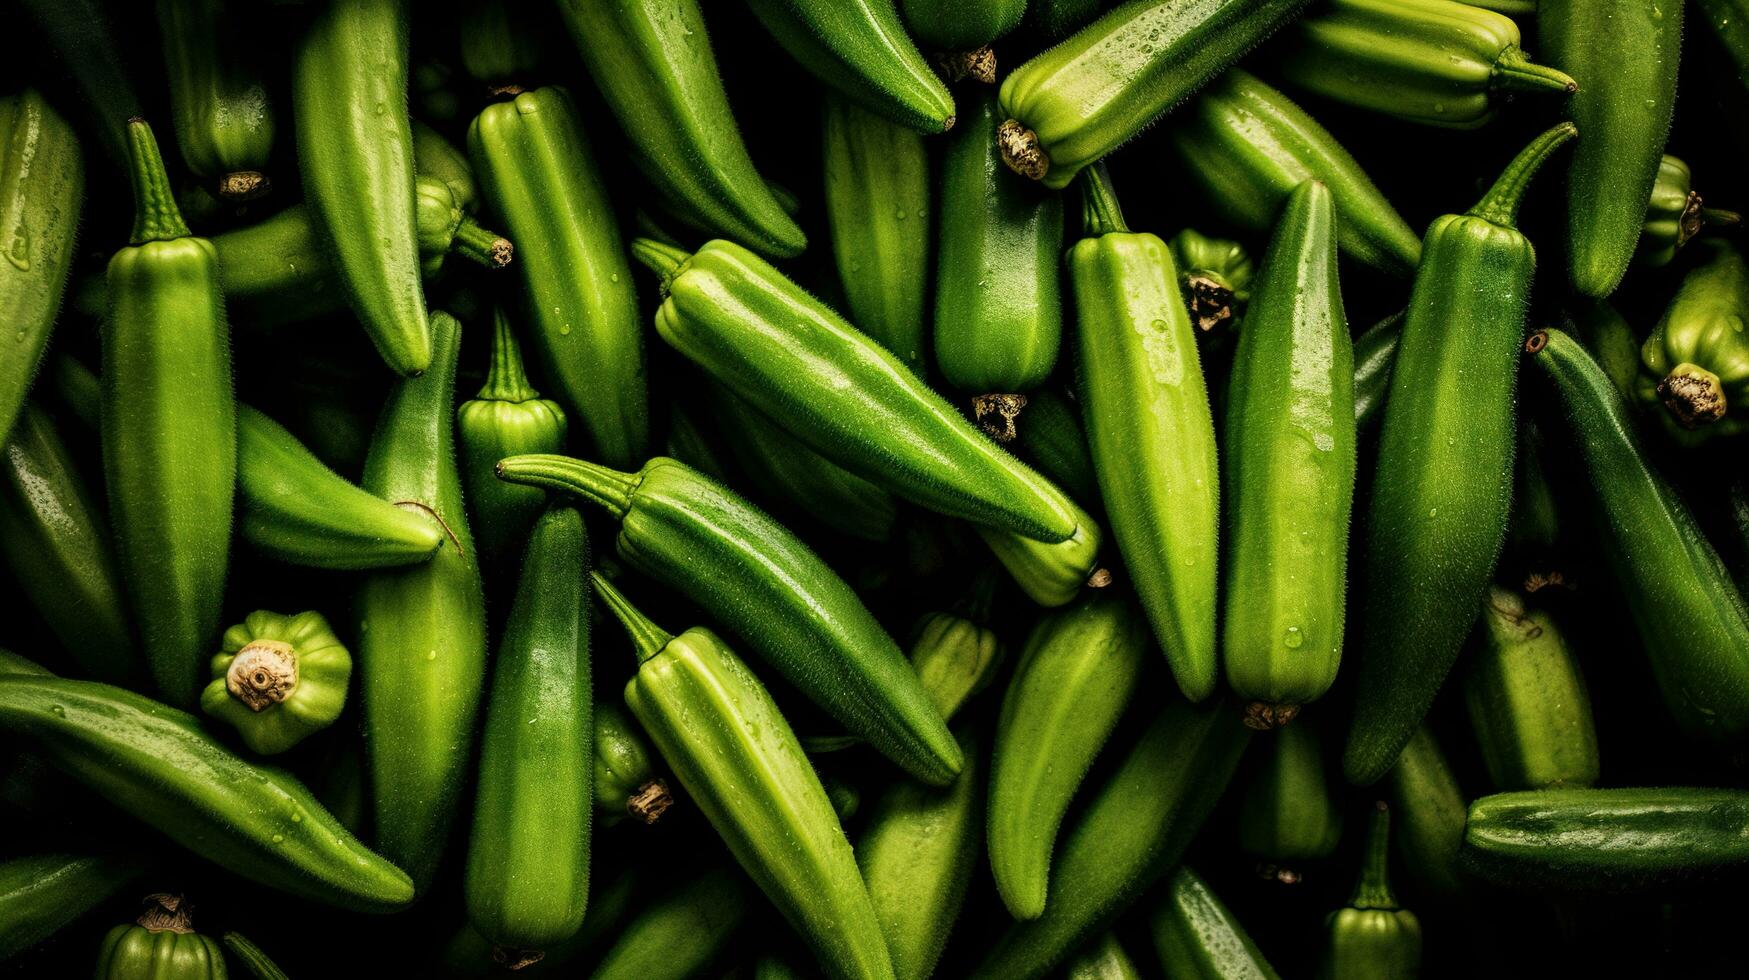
x=698 y=537
x=653 y=63
x=1428 y=61
x=1144 y=400
x=1443 y=494
x=1199 y=939
x=169 y=429
x=1527 y=701
x=1695 y=365
x=1248 y=146
x=42 y=185
x=40 y=894
x=540 y=177
x=158 y=765
x=1625 y=55
x=1676 y=214
x=1079 y=100
x=357 y=168
x=860 y=48
x=421 y=628
x=680 y=933
x=1692 y=621
x=1429 y=807
x=740 y=763
x=224 y=118
x=791 y=357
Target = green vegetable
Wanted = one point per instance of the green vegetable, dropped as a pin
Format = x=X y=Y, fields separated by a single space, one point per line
x=1055 y=444
x=421 y=628
x=1290 y=464
x=723 y=736
x=578 y=303
x=257 y=962
x=956 y=653
x=434 y=156
x=1429 y=808
x=1443 y=492
x=161 y=945
x=528 y=858
x=998 y=310
x=157 y=765
x=678 y=934
x=40 y=894
x=697 y=537
x=625 y=782
x=1246 y=147
x=1054 y=20
x=1728 y=21
x=1610 y=840
x=1373 y=937
x=1676 y=215
x=279 y=679
x=764 y=338
x=1612 y=340
x=1133 y=831
x=42 y=185
x=1692 y=621
x=169 y=429
x=506 y=417
x=1150 y=429
x=1428 y=61
x=1624 y=54
x=1289 y=816
x=960 y=25
x=1102 y=960
x=503 y=44
x=1078 y=672
x=1051 y=574
x=224 y=118
x=1527 y=700
x=879 y=211
x=1215 y=275
x=1071 y=105
x=653 y=63
x=917 y=855
x=357 y=168
x=1199 y=939
x=55 y=539
x=860 y=48
x=1696 y=362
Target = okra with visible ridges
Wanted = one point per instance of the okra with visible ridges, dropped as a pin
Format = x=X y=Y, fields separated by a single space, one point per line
x=1527 y=701
x=860 y=48
x=224 y=118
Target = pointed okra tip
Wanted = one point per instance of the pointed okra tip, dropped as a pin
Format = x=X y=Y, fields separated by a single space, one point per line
x=665 y=260
x=647 y=638
x=156 y=216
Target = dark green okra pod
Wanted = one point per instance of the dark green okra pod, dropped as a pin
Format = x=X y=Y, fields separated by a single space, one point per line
x=681 y=932
x=161 y=942
x=1199 y=939
x=1676 y=214
x=1373 y=936
x=1289 y=816
x=1428 y=806
x=169 y=429
x=1375 y=353
x=1443 y=493
x=625 y=780
x=860 y=48
x=40 y=894
x=224 y=118
x=253 y=957
x=1527 y=701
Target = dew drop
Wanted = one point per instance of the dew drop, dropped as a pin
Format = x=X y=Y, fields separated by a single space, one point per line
x=1294 y=638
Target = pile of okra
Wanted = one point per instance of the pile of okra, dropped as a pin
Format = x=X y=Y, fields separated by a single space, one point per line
x=873 y=489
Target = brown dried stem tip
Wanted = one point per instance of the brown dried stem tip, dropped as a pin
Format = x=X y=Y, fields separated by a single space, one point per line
x=1210 y=301
x=978 y=64
x=263 y=674
x=650 y=801
x=1263 y=717
x=996 y=415
x=1021 y=150
x=166 y=913
x=244 y=185
x=1694 y=395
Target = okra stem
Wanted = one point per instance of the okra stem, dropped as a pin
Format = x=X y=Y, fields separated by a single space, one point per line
x=1100 y=213
x=648 y=639
x=156 y=217
x=1373 y=891
x=1516 y=73
x=488 y=248
x=591 y=481
x=506 y=380
x=1500 y=205
x=661 y=258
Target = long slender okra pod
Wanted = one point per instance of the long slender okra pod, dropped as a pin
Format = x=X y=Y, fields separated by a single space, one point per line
x=698 y=537
x=1150 y=429
x=169 y=429
x=726 y=741
x=1443 y=493
x=421 y=628
x=355 y=154
x=40 y=894
x=860 y=48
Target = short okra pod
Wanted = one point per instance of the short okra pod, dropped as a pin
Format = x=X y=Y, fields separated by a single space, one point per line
x=1428 y=806
x=1527 y=700
x=1695 y=365
x=1373 y=936
x=1676 y=215
x=1198 y=938
x=1289 y=816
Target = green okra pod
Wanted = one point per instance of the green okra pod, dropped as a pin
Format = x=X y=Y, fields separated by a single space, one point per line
x=224 y=117
x=1373 y=936
x=1695 y=365
x=679 y=933
x=40 y=894
x=719 y=730
x=1375 y=353
x=253 y=957
x=698 y=537
x=162 y=941
x=1144 y=401
x=169 y=429
x=1216 y=276
x=1103 y=959
x=1429 y=810
x=860 y=48
x=1527 y=701
x=625 y=780
x=1442 y=497
x=1198 y=938
x=278 y=679
x=355 y=155
x=1289 y=816
x=1676 y=214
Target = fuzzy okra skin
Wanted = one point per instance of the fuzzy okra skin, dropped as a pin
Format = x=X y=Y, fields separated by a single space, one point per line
x=1198 y=938
x=42 y=184
x=730 y=747
x=169 y=429
x=653 y=63
x=539 y=176
x=1079 y=100
x=527 y=881
x=1429 y=61
x=879 y=209
x=1078 y=672
x=1527 y=701
x=1290 y=465
x=1692 y=621
x=224 y=119
x=1134 y=830
x=998 y=302
x=698 y=537
x=1248 y=146
x=680 y=933
x=1443 y=494
x=960 y=25
x=1150 y=429
x=1429 y=807
x=1625 y=55
x=158 y=765
x=624 y=782
x=860 y=48
x=421 y=628
x=1289 y=814
x=1102 y=959
x=357 y=168
x=40 y=894
x=793 y=358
